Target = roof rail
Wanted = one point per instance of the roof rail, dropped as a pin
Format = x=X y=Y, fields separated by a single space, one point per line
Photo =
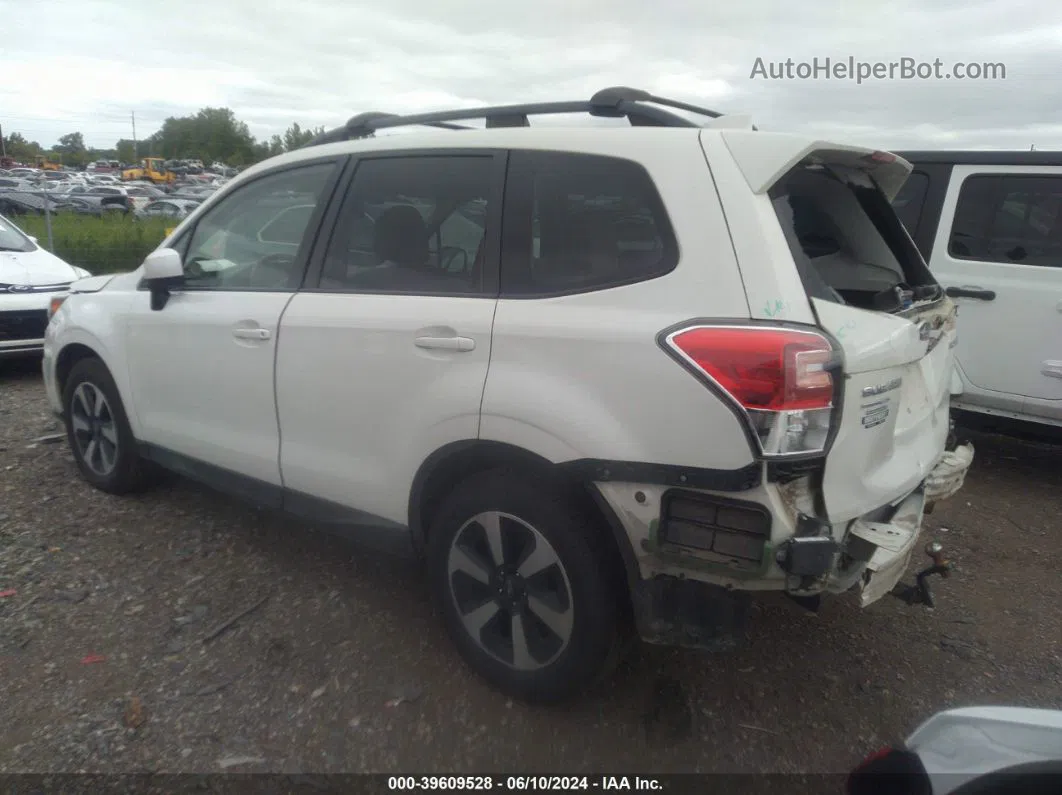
x=640 y=107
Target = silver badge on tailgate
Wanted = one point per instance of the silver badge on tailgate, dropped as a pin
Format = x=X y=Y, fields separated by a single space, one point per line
x=881 y=389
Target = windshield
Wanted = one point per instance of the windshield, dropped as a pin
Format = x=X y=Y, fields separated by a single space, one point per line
x=12 y=239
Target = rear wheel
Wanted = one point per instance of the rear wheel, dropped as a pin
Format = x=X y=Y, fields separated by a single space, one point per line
x=98 y=431
x=526 y=598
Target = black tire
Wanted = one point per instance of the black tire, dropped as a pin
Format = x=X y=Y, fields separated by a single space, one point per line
x=593 y=634
x=129 y=473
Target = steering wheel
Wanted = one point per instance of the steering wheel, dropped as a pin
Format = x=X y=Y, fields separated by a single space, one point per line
x=194 y=270
x=279 y=263
x=449 y=254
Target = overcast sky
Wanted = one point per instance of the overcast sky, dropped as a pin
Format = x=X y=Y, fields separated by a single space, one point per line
x=85 y=65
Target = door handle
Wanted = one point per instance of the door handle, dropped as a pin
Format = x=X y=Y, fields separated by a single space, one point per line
x=971 y=292
x=251 y=333
x=462 y=344
x=1051 y=368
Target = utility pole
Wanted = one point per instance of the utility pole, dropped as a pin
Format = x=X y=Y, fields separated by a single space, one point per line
x=136 y=147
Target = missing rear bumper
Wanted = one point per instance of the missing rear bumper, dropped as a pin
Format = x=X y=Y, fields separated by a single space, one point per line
x=890 y=546
x=670 y=611
x=949 y=474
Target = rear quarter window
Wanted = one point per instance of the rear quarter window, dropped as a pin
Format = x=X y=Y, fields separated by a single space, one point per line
x=578 y=223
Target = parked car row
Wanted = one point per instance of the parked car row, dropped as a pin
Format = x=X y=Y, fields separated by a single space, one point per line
x=96 y=194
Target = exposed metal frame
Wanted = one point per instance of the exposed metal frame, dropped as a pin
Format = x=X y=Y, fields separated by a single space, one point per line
x=640 y=107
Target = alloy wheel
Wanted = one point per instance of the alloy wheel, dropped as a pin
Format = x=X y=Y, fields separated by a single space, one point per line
x=94 y=429
x=511 y=591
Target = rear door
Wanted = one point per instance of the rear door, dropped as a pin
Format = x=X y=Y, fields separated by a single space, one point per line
x=1001 y=259
x=383 y=357
x=871 y=290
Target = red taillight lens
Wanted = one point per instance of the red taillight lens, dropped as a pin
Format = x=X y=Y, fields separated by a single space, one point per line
x=763 y=368
x=780 y=377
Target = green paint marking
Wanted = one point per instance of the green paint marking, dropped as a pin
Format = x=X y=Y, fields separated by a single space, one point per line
x=777 y=309
x=844 y=329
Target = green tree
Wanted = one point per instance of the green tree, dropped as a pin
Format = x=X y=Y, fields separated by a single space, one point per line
x=295 y=136
x=211 y=134
x=20 y=149
x=125 y=151
x=72 y=149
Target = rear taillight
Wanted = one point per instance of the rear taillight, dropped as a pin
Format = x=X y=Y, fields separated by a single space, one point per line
x=782 y=380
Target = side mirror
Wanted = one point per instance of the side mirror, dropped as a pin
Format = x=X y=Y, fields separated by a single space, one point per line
x=162 y=272
x=32 y=239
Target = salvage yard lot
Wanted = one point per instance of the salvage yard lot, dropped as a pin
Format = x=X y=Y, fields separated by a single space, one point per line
x=117 y=652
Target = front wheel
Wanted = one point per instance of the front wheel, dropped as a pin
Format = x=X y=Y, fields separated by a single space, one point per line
x=98 y=431
x=526 y=598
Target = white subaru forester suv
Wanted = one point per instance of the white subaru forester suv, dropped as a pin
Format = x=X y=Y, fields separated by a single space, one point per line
x=598 y=378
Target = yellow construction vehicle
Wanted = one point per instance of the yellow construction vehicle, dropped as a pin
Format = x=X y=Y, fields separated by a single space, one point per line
x=151 y=169
x=44 y=164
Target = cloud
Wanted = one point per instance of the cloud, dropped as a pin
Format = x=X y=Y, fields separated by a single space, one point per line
x=321 y=62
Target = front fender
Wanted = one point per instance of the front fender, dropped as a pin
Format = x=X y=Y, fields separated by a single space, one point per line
x=91 y=320
x=92 y=284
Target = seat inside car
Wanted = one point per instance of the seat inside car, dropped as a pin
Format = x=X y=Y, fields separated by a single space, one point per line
x=401 y=237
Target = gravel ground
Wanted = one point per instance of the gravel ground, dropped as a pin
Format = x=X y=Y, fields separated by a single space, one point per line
x=113 y=657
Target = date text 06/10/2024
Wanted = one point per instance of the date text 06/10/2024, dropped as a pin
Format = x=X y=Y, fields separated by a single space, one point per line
x=522 y=783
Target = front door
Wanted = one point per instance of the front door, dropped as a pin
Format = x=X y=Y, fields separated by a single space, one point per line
x=201 y=368
x=1001 y=261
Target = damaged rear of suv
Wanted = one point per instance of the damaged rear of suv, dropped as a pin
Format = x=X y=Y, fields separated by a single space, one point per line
x=839 y=377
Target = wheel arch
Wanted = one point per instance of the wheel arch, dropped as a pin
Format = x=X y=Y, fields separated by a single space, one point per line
x=79 y=346
x=449 y=465
x=69 y=355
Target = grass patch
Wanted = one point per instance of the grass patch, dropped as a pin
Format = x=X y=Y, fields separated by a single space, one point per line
x=109 y=244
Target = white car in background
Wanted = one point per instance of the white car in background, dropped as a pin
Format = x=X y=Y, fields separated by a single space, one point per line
x=29 y=278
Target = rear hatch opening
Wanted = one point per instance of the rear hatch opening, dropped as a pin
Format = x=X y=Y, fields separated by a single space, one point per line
x=873 y=294
x=848 y=244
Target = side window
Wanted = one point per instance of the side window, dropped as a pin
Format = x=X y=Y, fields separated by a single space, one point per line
x=581 y=222
x=908 y=202
x=412 y=225
x=1014 y=219
x=251 y=240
